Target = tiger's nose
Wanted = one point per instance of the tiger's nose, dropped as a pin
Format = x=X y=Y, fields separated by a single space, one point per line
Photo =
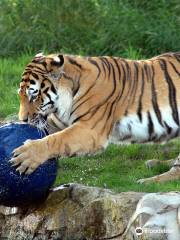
x=25 y=120
x=29 y=118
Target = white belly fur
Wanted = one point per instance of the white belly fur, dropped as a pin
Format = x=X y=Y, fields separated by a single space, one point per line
x=131 y=129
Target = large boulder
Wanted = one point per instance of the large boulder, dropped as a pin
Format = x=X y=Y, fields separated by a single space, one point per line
x=72 y=212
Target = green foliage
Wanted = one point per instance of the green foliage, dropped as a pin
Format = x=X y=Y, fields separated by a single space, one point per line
x=89 y=27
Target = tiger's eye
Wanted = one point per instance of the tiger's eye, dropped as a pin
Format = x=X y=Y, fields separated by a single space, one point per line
x=32 y=81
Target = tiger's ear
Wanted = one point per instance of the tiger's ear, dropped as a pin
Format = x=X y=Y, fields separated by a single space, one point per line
x=56 y=70
x=58 y=61
x=39 y=55
x=38 y=58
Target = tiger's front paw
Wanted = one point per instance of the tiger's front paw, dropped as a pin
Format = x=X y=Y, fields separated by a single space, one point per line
x=29 y=156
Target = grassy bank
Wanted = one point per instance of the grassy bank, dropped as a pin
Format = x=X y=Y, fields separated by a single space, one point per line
x=117 y=168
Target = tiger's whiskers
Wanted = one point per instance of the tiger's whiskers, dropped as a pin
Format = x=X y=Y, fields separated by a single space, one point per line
x=41 y=124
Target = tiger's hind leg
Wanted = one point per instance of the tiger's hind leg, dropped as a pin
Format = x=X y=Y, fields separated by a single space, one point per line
x=172 y=174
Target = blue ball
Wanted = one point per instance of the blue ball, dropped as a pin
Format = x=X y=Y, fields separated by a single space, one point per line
x=22 y=190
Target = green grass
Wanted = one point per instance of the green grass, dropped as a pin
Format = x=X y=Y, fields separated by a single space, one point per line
x=117 y=168
x=10 y=76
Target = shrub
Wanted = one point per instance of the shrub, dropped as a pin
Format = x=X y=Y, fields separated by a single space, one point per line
x=91 y=27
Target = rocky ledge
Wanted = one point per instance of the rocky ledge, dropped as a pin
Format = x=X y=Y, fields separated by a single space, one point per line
x=71 y=212
x=77 y=212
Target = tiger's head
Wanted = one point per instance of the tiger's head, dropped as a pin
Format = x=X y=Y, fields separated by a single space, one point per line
x=53 y=84
x=39 y=88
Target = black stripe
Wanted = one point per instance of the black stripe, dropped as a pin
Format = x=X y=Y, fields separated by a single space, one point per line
x=118 y=68
x=44 y=64
x=154 y=98
x=101 y=117
x=113 y=104
x=128 y=71
x=123 y=79
x=135 y=81
x=114 y=82
x=123 y=85
x=53 y=89
x=36 y=60
x=35 y=75
x=82 y=104
x=99 y=104
x=48 y=95
x=26 y=72
x=29 y=66
x=146 y=68
x=96 y=64
x=46 y=90
x=88 y=90
x=175 y=69
x=150 y=126
x=68 y=77
x=40 y=72
x=128 y=79
x=103 y=65
x=24 y=80
x=42 y=85
x=48 y=103
x=172 y=91
x=76 y=86
x=169 y=129
x=73 y=62
x=177 y=56
x=106 y=62
x=36 y=68
x=139 y=109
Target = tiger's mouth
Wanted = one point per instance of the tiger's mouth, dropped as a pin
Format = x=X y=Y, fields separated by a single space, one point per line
x=48 y=124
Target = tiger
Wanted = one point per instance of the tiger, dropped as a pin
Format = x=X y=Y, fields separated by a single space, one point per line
x=95 y=101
